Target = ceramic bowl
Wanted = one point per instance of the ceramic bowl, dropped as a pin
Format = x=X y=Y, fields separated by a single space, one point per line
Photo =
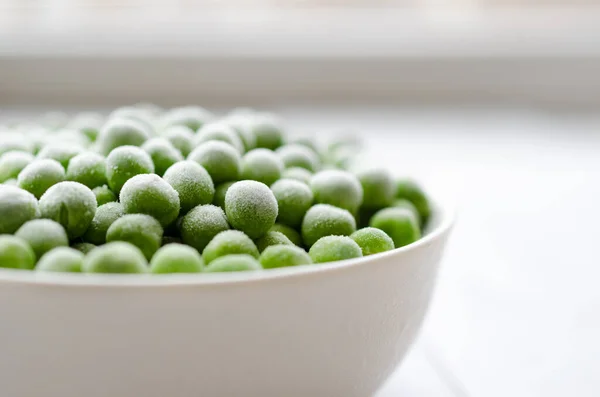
x=329 y=330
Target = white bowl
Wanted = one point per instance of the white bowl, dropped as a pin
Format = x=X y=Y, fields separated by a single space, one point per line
x=327 y=330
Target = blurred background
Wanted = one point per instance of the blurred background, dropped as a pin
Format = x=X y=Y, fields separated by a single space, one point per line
x=493 y=101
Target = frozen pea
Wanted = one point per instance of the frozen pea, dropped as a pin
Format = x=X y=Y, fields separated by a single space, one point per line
x=192 y=182
x=87 y=168
x=17 y=206
x=338 y=188
x=61 y=259
x=125 y=162
x=411 y=191
x=141 y=230
x=220 y=159
x=297 y=173
x=71 y=204
x=115 y=257
x=220 y=192
x=163 y=154
x=294 y=198
x=378 y=188
x=398 y=223
x=295 y=155
x=42 y=235
x=404 y=203
x=284 y=256
x=261 y=165
x=201 y=224
x=176 y=258
x=219 y=131
x=105 y=216
x=121 y=132
x=267 y=130
x=150 y=194
x=104 y=195
x=181 y=137
x=88 y=123
x=229 y=242
x=38 y=176
x=272 y=238
x=192 y=117
x=83 y=247
x=10 y=143
x=289 y=232
x=372 y=240
x=15 y=253
x=61 y=152
x=334 y=248
x=251 y=207
x=325 y=220
x=242 y=127
x=233 y=263
x=12 y=163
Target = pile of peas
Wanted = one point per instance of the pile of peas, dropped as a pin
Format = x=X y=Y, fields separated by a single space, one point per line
x=144 y=190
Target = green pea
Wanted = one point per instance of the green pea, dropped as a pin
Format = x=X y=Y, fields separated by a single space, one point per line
x=88 y=169
x=220 y=192
x=378 y=188
x=276 y=256
x=220 y=159
x=261 y=165
x=241 y=125
x=294 y=198
x=61 y=152
x=411 y=191
x=201 y=224
x=43 y=235
x=176 y=258
x=150 y=194
x=272 y=238
x=15 y=253
x=398 y=223
x=62 y=260
x=192 y=182
x=88 y=123
x=163 y=154
x=297 y=173
x=289 y=232
x=325 y=220
x=141 y=230
x=17 y=206
x=83 y=247
x=192 y=117
x=372 y=240
x=404 y=203
x=12 y=163
x=104 y=195
x=229 y=242
x=233 y=263
x=267 y=130
x=219 y=131
x=334 y=248
x=295 y=155
x=121 y=132
x=181 y=137
x=251 y=207
x=105 y=216
x=338 y=188
x=115 y=257
x=39 y=175
x=125 y=162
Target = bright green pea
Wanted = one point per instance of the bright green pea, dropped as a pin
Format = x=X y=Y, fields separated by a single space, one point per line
x=372 y=240
x=325 y=220
x=411 y=191
x=261 y=165
x=121 y=131
x=297 y=173
x=125 y=162
x=220 y=192
x=338 y=188
x=294 y=198
x=61 y=259
x=229 y=242
x=192 y=182
x=272 y=238
x=378 y=188
x=141 y=230
x=233 y=263
x=192 y=117
x=87 y=168
x=104 y=195
x=398 y=223
x=220 y=159
x=334 y=248
x=176 y=258
x=115 y=257
x=71 y=204
x=61 y=152
x=251 y=207
x=105 y=216
x=219 y=131
x=83 y=247
x=289 y=232
x=295 y=155
x=43 y=235
x=181 y=137
x=201 y=224
x=15 y=253
x=404 y=203
x=17 y=206
x=241 y=125
x=150 y=194
x=267 y=130
x=163 y=154
x=276 y=256
x=88 y=123
x=39 y=175
x=12 y=163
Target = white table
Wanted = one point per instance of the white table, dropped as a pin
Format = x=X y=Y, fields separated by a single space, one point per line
x=517 y=309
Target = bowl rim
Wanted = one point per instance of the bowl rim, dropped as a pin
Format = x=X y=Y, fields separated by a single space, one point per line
x=444 y=210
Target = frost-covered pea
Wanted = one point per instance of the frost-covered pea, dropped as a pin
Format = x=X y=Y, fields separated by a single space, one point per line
x=295 y=155
x=105 y=216
x=233 y=263
x=267 y=130
x=272 y=238
x=220 y=159
x=162 y=153
x=15 y=253
x=261 y=165
x=334 y=248
x=294 y=198
x=229 y=242
x=17 y=206
x=176 y=258
x=338 y=188
x=219 y=131
x=71 y=204
x=39 y=175
x=201 y=224
x=150 y=194
x=411 y=191
x=192 y=182
x=251 y=207
x=398 y=223
x=12 y=163
x=88 y=123
x=125 y=162
x=42 y=235
x=61 y=152
x=115 y=257
x=119 y=132
x=372 y=240
x=62 y=260
x=181 y=137
x=378 y=188
x=297 y=173
x=141 y=230
x=220 y=192
x=87 y=168
x=276 y=256
x=326 y=220
x=104 y=195
x=242 y=127
x=193 y=117
x=289 y=232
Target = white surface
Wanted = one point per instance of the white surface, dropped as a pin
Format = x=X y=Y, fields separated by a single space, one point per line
x=517 y=307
